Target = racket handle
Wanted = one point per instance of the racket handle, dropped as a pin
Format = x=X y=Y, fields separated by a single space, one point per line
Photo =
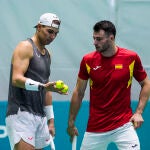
x=74 y=143
x=52 y=143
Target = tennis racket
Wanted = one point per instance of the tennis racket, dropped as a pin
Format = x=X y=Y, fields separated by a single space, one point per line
x=74 y=143
x=52 y=145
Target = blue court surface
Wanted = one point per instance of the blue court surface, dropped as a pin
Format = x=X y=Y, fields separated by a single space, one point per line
x=61 y=140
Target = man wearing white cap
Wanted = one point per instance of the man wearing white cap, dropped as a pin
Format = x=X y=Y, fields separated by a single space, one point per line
x=29 y=99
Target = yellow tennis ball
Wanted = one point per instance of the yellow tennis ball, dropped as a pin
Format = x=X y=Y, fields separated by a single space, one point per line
x=65 y=88
x=59 y=84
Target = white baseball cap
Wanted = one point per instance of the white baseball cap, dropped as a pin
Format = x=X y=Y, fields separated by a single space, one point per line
x=49 y=19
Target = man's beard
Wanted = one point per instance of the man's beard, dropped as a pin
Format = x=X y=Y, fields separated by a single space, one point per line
x=102 y=49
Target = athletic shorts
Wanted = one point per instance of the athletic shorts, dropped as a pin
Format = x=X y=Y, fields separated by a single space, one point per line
x=125 y=138
x=30 y=128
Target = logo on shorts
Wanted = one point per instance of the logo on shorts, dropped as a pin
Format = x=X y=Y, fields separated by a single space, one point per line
x=133 y=146
x=30 y=138
x=47 y=140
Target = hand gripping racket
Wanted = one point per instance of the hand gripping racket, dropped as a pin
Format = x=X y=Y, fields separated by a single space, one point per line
x=74 y=143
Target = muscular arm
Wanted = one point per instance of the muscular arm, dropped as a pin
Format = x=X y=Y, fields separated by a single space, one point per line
x=20 y=62
x=143 y=98
x=75 y=104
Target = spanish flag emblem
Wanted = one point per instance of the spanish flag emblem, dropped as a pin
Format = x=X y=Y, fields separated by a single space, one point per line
x=118 y=66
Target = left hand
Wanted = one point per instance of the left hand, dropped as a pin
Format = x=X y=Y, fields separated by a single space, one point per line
x=137 y=120
x=51 y=86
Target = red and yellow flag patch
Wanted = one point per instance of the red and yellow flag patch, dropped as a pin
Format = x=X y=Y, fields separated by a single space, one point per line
x=118 y=66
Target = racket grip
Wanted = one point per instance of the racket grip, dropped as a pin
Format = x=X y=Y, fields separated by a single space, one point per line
x=74 y=143
x=52 y=143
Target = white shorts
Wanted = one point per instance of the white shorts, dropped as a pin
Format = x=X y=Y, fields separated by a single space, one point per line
x=125 y=138
x=31 y=128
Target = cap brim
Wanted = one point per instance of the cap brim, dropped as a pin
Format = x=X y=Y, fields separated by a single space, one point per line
x=35 y=26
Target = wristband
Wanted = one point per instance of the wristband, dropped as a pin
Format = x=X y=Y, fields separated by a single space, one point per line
x=49 y=112
x=32 y=85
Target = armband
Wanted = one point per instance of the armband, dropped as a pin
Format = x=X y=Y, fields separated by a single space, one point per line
x=49 y=112
x=32 y=85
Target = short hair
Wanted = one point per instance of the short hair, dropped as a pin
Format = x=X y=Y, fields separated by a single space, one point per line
x=105 y=25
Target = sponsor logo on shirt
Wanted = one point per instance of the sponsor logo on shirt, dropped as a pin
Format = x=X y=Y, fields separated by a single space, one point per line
x=37 y=54
x=97 y=67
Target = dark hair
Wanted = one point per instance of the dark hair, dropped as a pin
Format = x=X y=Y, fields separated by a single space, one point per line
x=105 y=25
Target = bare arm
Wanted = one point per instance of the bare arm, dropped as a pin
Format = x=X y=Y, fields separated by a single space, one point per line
x=75 y=104
x=48 y=102
x=20 y=61
x=137 y=118
x=48 y=99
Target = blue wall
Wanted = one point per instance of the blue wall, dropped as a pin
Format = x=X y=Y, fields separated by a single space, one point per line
x=61 y=115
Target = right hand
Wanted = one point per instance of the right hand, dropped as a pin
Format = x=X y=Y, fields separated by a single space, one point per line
x=72 y=131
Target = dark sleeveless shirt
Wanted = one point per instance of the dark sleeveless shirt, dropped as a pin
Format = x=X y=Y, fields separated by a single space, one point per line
x=30 y=101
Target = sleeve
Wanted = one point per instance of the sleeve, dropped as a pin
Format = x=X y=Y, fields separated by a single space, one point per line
x=83 y=73
x=139 y=71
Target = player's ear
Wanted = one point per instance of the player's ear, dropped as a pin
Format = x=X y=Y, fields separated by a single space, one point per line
x=39 y=27
x=112 y=37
